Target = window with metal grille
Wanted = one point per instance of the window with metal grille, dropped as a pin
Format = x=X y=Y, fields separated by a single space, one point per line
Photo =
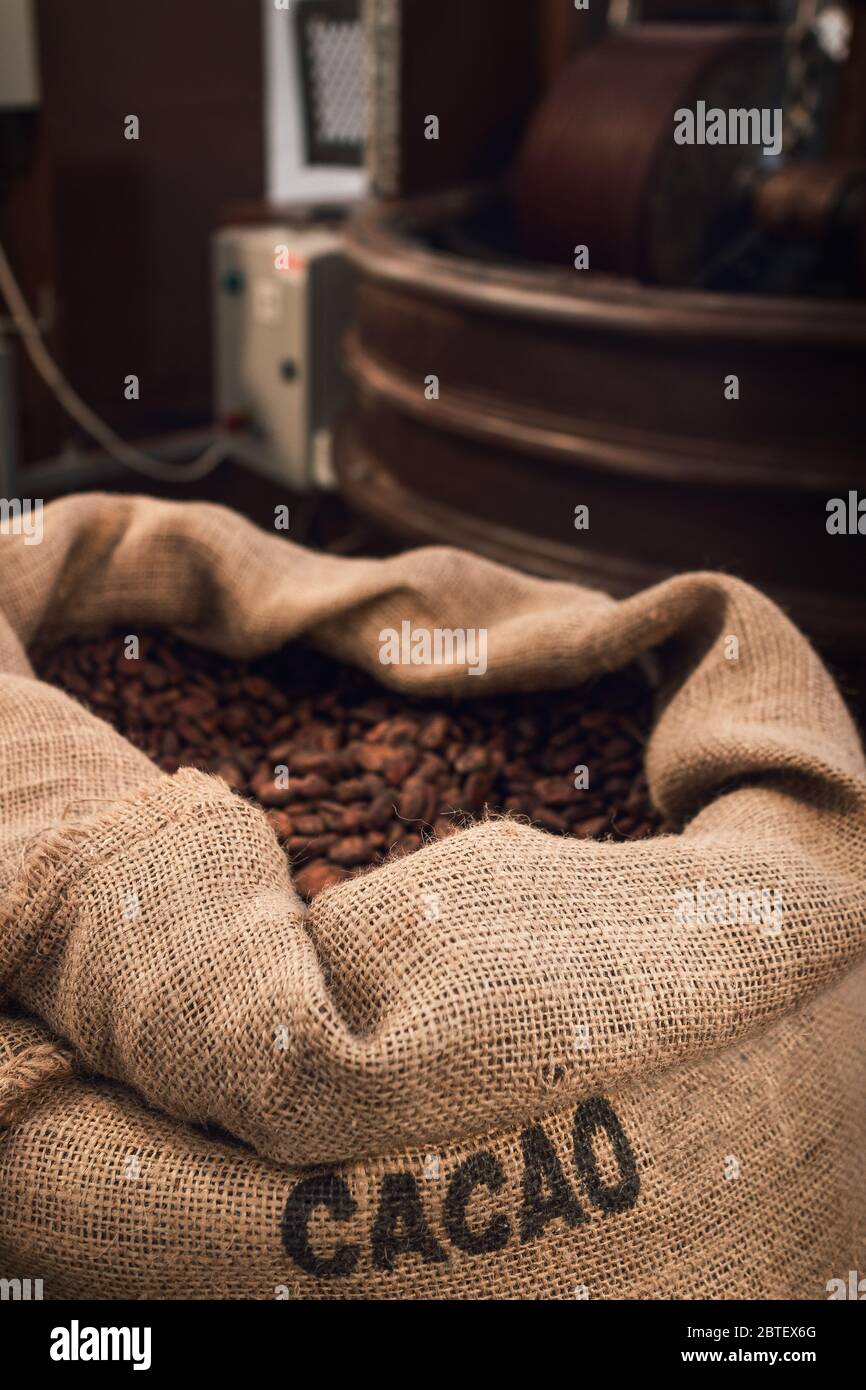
x=329 y=39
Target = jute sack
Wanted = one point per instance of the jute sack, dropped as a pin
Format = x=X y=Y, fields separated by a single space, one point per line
x=740 y=1176
x=636 y=1069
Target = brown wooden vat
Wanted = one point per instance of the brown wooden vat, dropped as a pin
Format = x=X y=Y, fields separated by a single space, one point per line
x=598 y=164
x=560 y=389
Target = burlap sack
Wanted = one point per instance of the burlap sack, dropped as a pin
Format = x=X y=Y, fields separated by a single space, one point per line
x=571 y=1079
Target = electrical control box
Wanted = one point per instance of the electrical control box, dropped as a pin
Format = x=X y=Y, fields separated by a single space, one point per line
x=283 y=300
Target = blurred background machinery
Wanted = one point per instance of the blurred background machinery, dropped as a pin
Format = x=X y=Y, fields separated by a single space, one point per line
x=284 y=290
x=606 y=387
x=247 y=116
x=330 y=204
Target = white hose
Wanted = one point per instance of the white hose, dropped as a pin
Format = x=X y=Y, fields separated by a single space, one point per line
x=81 y=413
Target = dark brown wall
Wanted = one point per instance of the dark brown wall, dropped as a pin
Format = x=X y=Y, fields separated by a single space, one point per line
x=121 y=229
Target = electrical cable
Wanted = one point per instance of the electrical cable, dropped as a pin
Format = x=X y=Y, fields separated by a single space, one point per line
x=81 y=413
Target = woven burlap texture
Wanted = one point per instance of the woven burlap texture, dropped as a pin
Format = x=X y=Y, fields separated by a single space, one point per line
x=403 y=1032
x=751 y=1168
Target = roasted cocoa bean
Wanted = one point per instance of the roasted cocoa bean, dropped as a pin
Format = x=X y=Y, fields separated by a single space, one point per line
x=476 y=791
x=195 y=703
x=354 y=849
x=154 y=676
x=594 y=826
x=321 y=844
x=374 y=757
x=443 y=827
x=352 y=790
x=353 y=819
x=616 y=786
x=235 y=719
x=398 y=767
x=595 y=719
x=555 y=791
x=282 y=824
x=471 y=760
x=373 y=785
x=550 y=820
x=229 y=772
x=381 y=811
x=431 y=767
x=188 y=731
x=309 y=825
x=257 y=688
x=310 y=788
x=435 y=732
x=169 y=743
x=313 y=760
x=563 y=759
x=624 y=765
x=616 y=748
x=316 y=877
x=413 y=800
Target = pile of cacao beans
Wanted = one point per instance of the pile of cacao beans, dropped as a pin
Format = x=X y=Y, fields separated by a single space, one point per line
x=349 y=772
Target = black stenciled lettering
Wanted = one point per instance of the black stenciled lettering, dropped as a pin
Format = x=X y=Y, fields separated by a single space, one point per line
x=481 y=1170
x=543 y=1170
x=591 y=1116
x=400 y=1227
x=333 y=1194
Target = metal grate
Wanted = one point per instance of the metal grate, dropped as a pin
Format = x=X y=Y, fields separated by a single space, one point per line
x=330 y=45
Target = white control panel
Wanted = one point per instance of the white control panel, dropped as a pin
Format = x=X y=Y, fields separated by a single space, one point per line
x=283 y=299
